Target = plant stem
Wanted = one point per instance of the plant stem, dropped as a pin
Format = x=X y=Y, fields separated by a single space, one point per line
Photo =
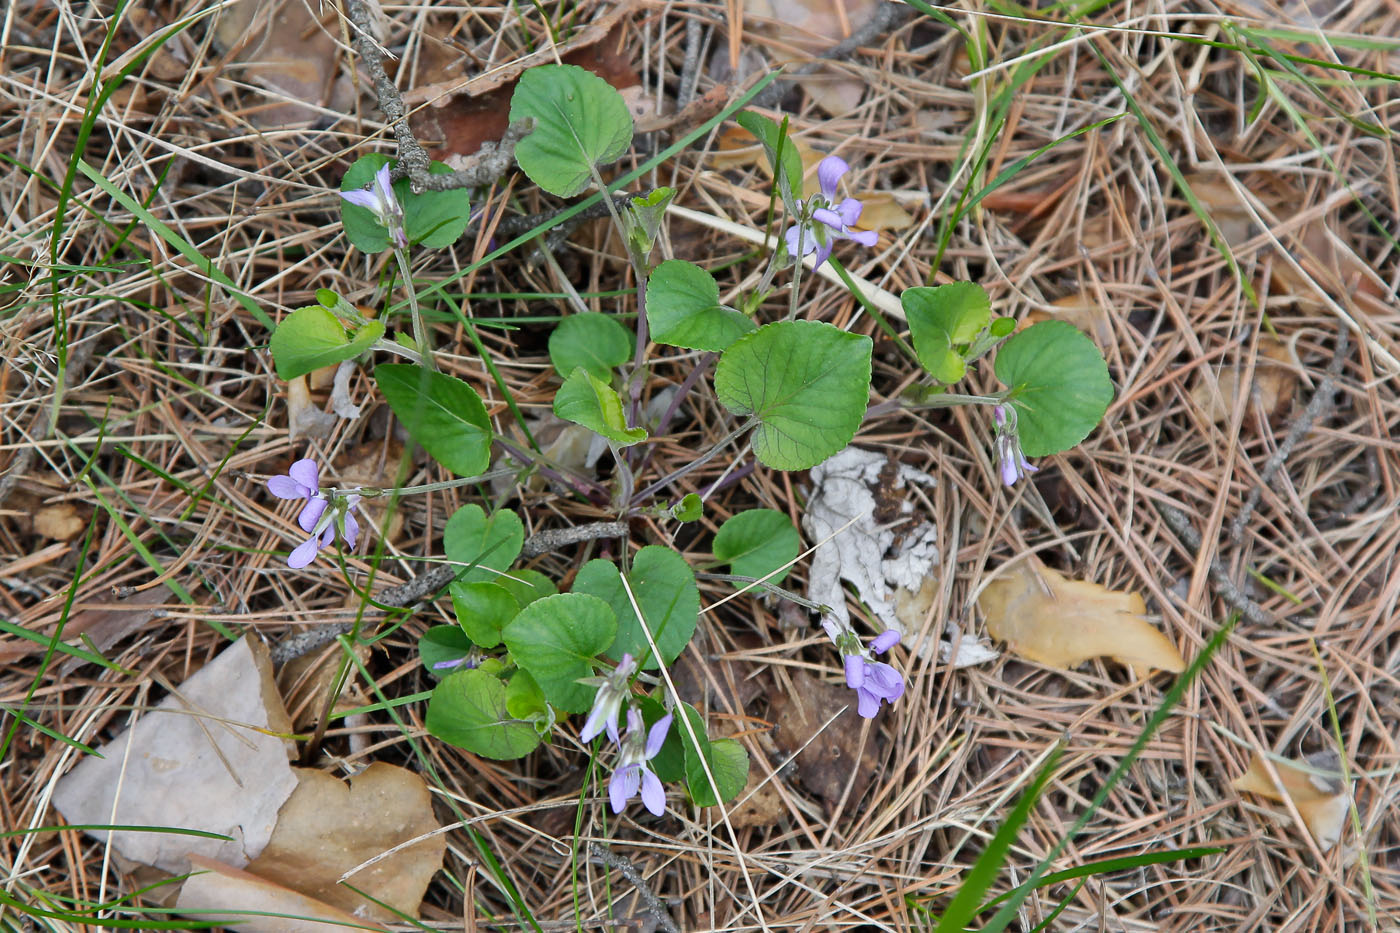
x=420 y=333
x=709 y=455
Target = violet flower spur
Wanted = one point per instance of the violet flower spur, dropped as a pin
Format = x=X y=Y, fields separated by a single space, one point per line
x=613 y=688
x=1010 y=460
x=828 y=224
x=632 y=773
x=379 y=200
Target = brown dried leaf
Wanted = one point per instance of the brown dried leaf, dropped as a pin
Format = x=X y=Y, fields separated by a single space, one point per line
x=1081 y=310
x=218 y=888
x=327 y=828
x=1321 y=801
x=60 y=522
x=283 y=47
x=831 y=756
x=881 y=211
x=1045 y=617
x=1274 y=377
x=759 y=805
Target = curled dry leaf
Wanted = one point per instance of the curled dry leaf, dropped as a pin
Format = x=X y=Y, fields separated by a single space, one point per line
x=1045 y=617
x=1320 y=799
x=328 y=828
x=304 y=418
x=224 y=894
x=1274 y=378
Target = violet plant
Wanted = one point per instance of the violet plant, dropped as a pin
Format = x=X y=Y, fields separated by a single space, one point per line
x=523 y=656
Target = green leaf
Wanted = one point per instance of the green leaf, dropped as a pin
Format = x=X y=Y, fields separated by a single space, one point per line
x=941 y=319
x=664 y=586
x=1059 y=383
x=807 y=382
x=580 y=121
x=757 y=542
x=691 y=508
x=1003 y=327
x=770 y=136
x=433 y=218
x=488 y=545
x=312 y=337
x=442 y=412
x=587 y=400
x=468 y=709
x=524 y=698
x=642 y=220
x=669 y=763
x=597 y=342
x=483 y=609
x=683 y=309
x=728 y=761
x=527 y=585
x=556 y=639
x=442 y=643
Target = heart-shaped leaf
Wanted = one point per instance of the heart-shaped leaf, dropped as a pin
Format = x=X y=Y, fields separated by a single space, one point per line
x=441 y=644
x=757 y=542
x=1059 y=383
x=587 y=400
x=664 y=586
x=683 y=309
x=488 y=544
x=527 y=585
x=556 y=639
x=597 y=342
x=468 y=709
x=807 y=382
x=442 y=412
x=580 y=121
x=312 y=337
x=483 y=610
x=433 y=219
x=943 y=318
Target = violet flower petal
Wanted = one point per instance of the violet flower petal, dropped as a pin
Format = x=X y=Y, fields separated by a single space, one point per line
x=311 y=514
x=855 y=671
x=884 y=641
x=304 y=554
x=284 y=487
x=823 y=254
x=352 y=529
x=656 y=737
x=829 y=172
x=799 y=240
x=863 y=237
x=622 y=786
x=867 y=704
x=362 y=198
x=828 y=217
x=849 y=211
x=653 y=794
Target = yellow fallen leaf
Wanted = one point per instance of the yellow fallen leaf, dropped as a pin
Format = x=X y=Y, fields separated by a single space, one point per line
x=1273 y=376
x=1044 y=617
x=243 y=901
x=881 y=211
x=737 y=147
x=60 y=521
x=1321 y=801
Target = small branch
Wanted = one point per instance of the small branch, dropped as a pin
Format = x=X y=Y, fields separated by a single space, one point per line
x=431 y=582
x=1224 y=586
x=1319 y=405
x=649 y=900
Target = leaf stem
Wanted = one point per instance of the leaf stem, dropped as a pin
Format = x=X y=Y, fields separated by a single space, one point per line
x=420 y=333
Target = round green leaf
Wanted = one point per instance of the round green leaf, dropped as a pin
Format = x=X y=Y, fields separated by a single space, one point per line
x=757 y=542
x=1060 y=385
x=587 y=400
x=488 y=544
x=807 y=382
x=597 y=342
x=664 y=586
x=683 y=309
x=691 y=508
x=729 y=764
x=580 y=121
x=524 y=698
x=556 y=639
x=442 y=412
x=468 y=709
x=312 y=337
x=433 y=218
x=483 y=609
x=442 y=643
x=527 y=585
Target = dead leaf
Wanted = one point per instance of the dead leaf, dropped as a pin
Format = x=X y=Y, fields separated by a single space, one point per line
x=328 y=828
x=1274 y=378
x=1321 y=800
x=1045 y=617
x=760 y=804
x=813 y=26
x=210 y=759
x=283 y=48
x=304 y=417
x=1083 y=311
x=60 y=521
x=217 y=889
x=830 y=756
x=881 y=211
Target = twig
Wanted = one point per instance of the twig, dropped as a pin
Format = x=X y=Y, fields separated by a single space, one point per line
x=425 y=585
x=650 y=901
x=494 y=159
x=1320 y=404
x=690 y=67
x=1224 y=586
x=887 y=16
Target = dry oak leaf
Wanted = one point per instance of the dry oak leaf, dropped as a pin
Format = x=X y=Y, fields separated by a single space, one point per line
x=224 y=894
x=1274 y=377
x=1058 y=622
x=1321 y=800
x=817 y=722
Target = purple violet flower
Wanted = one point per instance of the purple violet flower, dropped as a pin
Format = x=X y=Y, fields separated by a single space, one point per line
x=323 y=514
x=874 y=681
x=632 y=773
x=613 y=688
x=1010 y=460
x=828 y=224
x=378 y=198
